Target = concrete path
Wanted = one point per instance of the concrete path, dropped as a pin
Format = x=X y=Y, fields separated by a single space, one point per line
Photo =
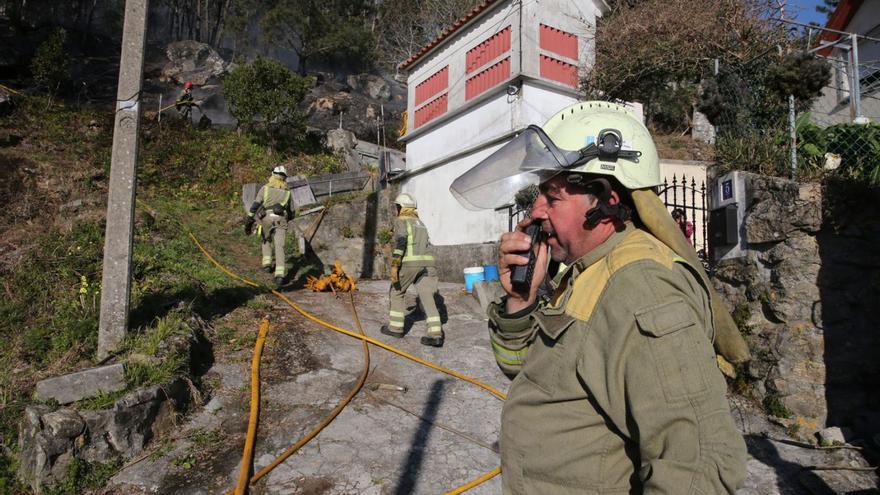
x=437 y=435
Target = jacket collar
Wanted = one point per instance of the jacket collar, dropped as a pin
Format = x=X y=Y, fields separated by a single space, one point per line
x=552 y=318
x=600 y=252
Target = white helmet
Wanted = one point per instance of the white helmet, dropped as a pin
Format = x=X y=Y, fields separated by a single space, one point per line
x=592 y=137
x=280 y=170
x=405 y=201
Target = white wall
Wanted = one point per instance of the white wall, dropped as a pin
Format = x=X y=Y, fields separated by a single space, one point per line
x=448 y=222
x=690 y=170
x=575 y=17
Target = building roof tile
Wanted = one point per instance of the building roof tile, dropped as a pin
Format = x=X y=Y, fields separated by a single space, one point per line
x=463 y=20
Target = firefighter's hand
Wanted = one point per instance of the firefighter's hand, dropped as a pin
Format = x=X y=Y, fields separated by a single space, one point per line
x=248 y=225
x=511 y=249
x=395 y=274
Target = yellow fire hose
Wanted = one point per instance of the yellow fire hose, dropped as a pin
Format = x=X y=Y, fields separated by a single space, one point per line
x=365 y=339
x=248 y=453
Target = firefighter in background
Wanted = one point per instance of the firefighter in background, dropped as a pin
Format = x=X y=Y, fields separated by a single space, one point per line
x=185 y=101
x=412 y=264
x=271 y=208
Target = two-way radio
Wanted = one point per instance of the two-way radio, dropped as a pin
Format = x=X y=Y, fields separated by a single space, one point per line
x=521 y=275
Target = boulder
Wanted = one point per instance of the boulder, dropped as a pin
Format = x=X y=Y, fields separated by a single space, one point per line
x=340 y=140
x=833 y=435
x=50 y=440
x=372 y=85
x=46 y=456
x=192 y=61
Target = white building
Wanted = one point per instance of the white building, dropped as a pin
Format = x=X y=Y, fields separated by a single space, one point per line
x=851 y=67
x=504 y=65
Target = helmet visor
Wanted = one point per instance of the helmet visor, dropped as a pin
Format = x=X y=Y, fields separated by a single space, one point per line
x=528 y=159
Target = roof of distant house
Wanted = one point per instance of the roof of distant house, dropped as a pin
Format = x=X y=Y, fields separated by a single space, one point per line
x=466 y=18
x=838 y=21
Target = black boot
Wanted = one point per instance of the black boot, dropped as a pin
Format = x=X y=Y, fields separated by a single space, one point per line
x=268 y=269
x=433 y=340
x=279 y=281
x=387 y=331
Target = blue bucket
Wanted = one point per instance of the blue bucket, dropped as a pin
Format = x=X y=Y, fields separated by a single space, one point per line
x=490 y=272
x=472 y=274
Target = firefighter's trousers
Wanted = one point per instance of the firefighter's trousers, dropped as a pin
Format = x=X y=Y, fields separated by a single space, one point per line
x=272 y=237
x=425 y=280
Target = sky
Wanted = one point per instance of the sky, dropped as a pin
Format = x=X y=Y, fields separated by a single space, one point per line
x=804 y=11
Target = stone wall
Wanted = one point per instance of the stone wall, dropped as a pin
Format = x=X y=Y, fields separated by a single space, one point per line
x=355 y=234
x=800 y=296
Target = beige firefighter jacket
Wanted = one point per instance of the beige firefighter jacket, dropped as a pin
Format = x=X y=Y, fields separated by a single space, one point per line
x=411 y=243
x=616 y=387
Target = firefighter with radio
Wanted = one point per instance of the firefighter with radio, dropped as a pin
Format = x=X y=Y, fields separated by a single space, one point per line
x=615 y=387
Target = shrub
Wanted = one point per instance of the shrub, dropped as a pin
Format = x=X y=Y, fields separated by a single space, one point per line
x=263 y=96
x=857 y=145
x=50 y=66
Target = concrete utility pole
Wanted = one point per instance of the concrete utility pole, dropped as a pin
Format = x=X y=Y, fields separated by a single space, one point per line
x=119 y=234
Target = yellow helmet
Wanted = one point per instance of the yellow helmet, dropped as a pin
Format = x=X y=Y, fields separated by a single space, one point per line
x=405 y=201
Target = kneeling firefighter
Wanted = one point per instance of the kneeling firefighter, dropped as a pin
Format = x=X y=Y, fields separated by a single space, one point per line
x=272 y=209
x=412 y=264
x=616 y=387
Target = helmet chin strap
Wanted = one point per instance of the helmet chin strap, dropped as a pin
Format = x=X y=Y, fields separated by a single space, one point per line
x=601 y=188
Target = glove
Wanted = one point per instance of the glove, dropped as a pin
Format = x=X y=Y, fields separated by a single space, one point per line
x=395 y=273
x=248 y=225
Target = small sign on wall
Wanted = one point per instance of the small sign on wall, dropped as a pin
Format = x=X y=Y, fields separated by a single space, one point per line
x=726 y=189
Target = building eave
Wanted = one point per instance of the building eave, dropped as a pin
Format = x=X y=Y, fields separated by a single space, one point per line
x=838 y=21
x=471 y=16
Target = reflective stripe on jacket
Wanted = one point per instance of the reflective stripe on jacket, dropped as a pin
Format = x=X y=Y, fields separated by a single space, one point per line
x=616 y=387
x=417 y=251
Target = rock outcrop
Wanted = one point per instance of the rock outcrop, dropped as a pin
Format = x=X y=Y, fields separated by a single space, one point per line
x=50 y=440
x=193 y=61
x=790 y=292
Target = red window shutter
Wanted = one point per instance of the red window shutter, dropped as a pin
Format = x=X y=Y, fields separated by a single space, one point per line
x=435 y=83
x=487 y=79
x=488 y=50
x=558 y=41
x=430 y=111
x=559 y=71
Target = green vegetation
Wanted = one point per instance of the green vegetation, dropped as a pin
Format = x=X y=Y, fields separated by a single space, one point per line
x=52 y=290
x=857 y=146
x=50 y=66
x=741 y=315
x=385 y=236
x=263 y=96
x=334 y=30
x=83 y=476
x=774 y=406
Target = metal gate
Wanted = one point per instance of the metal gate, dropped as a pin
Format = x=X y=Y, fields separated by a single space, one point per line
x=692 y=201
x=688 y=197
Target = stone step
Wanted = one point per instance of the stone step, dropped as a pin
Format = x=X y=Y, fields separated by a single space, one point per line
x=82 y=384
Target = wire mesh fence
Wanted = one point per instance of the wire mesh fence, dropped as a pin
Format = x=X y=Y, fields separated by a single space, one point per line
x=840 y=132
x=835 y=132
